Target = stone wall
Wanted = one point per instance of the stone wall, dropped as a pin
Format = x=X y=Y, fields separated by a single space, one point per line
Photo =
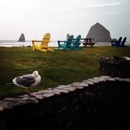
x=93 y=104
x=115 y=66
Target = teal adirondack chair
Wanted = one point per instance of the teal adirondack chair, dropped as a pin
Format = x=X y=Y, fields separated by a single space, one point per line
x=76 y=43
x=67 y=45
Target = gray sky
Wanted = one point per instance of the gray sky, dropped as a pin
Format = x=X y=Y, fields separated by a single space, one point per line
x=34 y=18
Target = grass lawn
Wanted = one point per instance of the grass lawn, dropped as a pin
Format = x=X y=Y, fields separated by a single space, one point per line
x=60 y=67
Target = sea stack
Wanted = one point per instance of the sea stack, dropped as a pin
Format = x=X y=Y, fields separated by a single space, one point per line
x=99 y=33
x=22 y=38
x=67 y=36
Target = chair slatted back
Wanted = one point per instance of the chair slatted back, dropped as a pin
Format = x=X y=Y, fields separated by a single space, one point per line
x=69 y=41
x=77 y=40
x=45 y=40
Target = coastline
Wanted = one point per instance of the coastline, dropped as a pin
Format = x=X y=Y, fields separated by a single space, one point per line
x=13 y=43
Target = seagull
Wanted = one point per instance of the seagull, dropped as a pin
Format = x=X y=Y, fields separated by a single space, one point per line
x=28 y=81
x=127 y=58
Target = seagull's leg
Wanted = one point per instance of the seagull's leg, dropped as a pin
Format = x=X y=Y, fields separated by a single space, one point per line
x=29 y=92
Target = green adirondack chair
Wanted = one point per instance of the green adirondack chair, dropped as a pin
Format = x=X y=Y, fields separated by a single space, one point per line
x=66 y=45
x=76 y=43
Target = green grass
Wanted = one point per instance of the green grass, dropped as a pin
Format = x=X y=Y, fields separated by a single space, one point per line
x=56 y=68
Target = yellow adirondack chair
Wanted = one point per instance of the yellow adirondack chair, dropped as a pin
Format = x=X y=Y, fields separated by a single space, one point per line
x=43 y=46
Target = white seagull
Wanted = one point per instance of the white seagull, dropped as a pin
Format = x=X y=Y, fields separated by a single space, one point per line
x=28 y=81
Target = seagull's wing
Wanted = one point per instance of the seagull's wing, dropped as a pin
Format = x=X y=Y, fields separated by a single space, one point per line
x=25 y=80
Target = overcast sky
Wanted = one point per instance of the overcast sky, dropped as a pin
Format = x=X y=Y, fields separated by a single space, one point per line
x=34 y=18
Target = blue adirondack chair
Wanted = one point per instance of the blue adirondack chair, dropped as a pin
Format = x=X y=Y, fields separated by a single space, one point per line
x=119 y=43
x=123 y=42
x=76 y=43
x=116 y=43
x=66 y=45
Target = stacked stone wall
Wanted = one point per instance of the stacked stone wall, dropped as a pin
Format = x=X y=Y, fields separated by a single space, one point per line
x=93 y=104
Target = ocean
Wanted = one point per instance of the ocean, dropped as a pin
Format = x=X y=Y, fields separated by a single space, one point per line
x=14 y=43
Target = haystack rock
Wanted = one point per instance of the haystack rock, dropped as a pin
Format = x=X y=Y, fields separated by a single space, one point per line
x=22 y=38
x=99 y=33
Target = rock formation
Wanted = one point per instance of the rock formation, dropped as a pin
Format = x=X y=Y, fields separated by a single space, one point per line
x=22 y=38
x=67 y=36
x=99 y=33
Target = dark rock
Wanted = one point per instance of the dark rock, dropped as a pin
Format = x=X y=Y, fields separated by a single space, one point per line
x=22 y=38
x=115 y=67
x=114 y=39
x=99 y=33
x=67 y=36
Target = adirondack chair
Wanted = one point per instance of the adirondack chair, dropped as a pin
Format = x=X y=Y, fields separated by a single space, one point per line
x=66 y=45
x=123 y=42
x=76 y=43
x=43 y=45
x=120 y=43
x=116 y=43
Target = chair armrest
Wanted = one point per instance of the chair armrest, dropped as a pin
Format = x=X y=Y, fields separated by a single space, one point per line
x=61 y=41
x=38 y=41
